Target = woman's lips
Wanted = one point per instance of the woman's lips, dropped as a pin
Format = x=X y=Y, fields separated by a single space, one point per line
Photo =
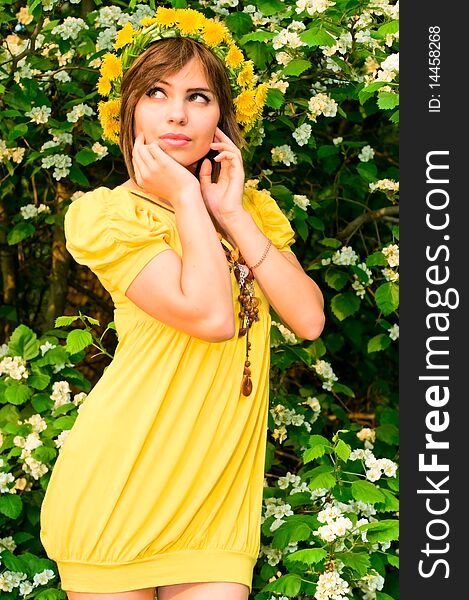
x=175 y=142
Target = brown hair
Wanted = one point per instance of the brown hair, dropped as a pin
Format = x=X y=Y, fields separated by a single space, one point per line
x=163 y=58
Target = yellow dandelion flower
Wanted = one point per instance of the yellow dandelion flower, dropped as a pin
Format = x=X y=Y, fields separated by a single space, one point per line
x=147 y=21
x=166 y=17
x=214 y=33
x=246 y=102
x=234 y=56
x=124 y=36
x=246 y=75
x=109 y=118
x=190 y=20
x=261 y=95
x=104 y=86
x=111 y=67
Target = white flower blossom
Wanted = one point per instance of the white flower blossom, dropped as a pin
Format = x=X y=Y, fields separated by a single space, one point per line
x=70 y=28
x=39 y=114
x=301 y=201
x=345 y=256
x=61 y=162
x=14 y=367
x=366 y=153
x=321 y=104
x=313 y=6
x=283 y=154
x=331 y=586
x=60 y=393
x=391 y=252
x=78 y=111
x=302 y=134
x=394 y=332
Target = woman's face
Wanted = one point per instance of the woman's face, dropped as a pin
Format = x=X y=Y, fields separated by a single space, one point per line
x=181 y=113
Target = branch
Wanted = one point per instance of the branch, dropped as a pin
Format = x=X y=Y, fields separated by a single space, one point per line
x=374 y=215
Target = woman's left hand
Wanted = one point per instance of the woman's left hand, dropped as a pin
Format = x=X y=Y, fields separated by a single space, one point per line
x=225 y=197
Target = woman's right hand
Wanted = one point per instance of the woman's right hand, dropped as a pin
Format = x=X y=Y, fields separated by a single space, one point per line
x=159 y=174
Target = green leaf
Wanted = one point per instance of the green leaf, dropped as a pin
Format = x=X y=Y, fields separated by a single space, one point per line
x=77 y=176
x=296 y=67
x=344 y=389
x=23 y=342
x=86 y=156
x=388 y=100
x=64 y=321
x=39 y=381
x=381 y=531
x=270 y=7
x=257 y=36
x=18 y=131
x=17 y=393
x=366 y=92
x=387 y=297
x=394 y=118
x=327 y=150
x=367 y=171
x=20 y=232
x=367 y=492
x=239 y=23
x=336 y=279
x=311 y=453
x=330 y=242
x=344 y=305
x=296 y=528
x=391 y=27
x=342 y=450
x=12 y=562
x=377 y=259
x=357 y=561
x=388 y=433
x=391 y=503
x=317 y=37
x=393 y=560
x=259 y=52
x=378 y=342
x=308 y=556
x=10 y=506
x=77 y=340
x=324 y=480
x=289 y=585
x=383 y=596
x=275 y=98
x=51 y=594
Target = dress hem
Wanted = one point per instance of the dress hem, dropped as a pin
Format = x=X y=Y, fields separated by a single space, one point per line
x=189 y=566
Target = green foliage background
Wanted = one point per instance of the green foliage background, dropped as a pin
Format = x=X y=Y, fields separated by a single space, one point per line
x=322 y=393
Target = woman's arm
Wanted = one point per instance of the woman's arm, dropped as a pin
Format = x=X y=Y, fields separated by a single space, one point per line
x=295 y=297
x=192 y=293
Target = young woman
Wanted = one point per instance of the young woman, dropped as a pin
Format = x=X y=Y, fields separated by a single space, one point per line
x=158 y=487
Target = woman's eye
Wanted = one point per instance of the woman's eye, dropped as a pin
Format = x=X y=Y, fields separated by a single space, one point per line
x=201 y=97
x=153 y=93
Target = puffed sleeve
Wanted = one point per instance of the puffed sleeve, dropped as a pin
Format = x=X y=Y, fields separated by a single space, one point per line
x=113 y=236
x=275 y=224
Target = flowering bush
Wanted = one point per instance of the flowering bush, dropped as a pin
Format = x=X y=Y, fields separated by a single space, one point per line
x=327 y=150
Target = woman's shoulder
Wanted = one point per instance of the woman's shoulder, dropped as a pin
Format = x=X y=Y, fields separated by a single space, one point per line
x=268 y=214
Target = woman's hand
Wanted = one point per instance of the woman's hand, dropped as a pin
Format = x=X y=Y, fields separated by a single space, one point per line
x=159 y=174
x=225 y=197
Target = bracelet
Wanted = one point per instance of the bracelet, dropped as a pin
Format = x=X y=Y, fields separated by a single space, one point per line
x=263 y=256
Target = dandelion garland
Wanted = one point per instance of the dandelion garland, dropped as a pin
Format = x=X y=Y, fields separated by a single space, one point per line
x=248 y=97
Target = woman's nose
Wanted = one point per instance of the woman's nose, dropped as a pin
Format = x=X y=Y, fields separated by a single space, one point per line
x=176 y=112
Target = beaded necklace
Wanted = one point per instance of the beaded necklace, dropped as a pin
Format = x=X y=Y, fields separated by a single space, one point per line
x=248 y=303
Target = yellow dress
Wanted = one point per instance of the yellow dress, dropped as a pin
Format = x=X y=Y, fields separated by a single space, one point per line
x=160 y=479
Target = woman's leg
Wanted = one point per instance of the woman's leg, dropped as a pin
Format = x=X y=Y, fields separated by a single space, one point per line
x=144 y=594
x=213 y=590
